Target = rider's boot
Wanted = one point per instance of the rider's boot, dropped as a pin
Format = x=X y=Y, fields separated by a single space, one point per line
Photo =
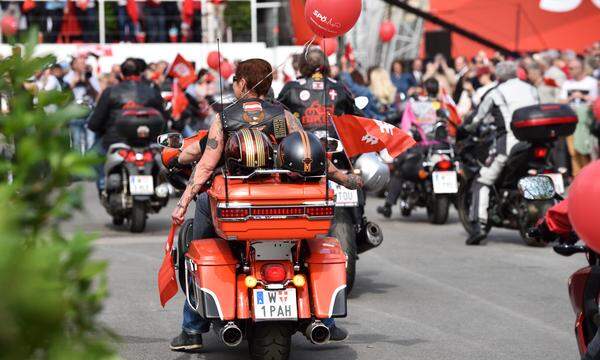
x=385 y=210
x=187 y=342
x=477 y=236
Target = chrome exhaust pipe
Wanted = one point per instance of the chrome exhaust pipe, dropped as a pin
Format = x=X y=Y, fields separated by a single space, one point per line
x=317 y=333
x=372 y=237
x=230 y=334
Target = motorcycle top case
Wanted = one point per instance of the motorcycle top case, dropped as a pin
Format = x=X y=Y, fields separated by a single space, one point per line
x=140 y=125
x=543 y=122
x=269 y=209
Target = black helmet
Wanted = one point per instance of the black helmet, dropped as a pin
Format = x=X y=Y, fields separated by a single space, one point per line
x=247 y=150
x=302 y=153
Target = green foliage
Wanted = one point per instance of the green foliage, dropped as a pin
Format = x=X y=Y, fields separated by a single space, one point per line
x=51 y=288
x=238 y=18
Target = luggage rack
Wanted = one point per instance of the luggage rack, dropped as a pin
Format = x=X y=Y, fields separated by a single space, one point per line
x=259 y=172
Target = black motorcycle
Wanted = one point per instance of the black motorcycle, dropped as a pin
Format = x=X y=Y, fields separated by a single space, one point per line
x=429 y=174
x=536 y=127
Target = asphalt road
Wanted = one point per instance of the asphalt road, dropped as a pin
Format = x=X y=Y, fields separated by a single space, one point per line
x=422 y=295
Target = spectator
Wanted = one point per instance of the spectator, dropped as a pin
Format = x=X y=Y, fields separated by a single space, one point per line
x=156 y=26
x=461 y=66
x=126 y=26
x=580 y=92
x=417 y=70
x=403 y=81
x=85 y=10
x=81 y=80
x=381 y=86
x=58 y=72
x=485 y=78
x=54 y=15
x=355 y=82
x=444 y=74
x=535 y=75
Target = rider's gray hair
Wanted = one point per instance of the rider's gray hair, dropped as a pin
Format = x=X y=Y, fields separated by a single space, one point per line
x=506 y=70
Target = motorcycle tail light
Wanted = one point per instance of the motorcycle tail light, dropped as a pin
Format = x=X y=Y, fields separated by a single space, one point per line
x=148 y=156
x=273 y=273
x=423 y=174
x=123 y=153
x=320 y=211
x=233 y=213
x=540 y=152
x=444 y=165
x=285 y=211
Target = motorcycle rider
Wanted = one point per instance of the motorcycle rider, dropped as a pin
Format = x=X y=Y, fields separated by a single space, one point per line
x=308 y=96
x=419 y=120
x=131 y=92
x=498 y=106
x=251 y=85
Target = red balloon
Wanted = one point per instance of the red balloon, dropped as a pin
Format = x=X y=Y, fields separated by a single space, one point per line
x=329 y=46
x=584 y=205
x=332 y=18
x=226 y=70
x=8 y=24
x=387 y=31
x=213 y=60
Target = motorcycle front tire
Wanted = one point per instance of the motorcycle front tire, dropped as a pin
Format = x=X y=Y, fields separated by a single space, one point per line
x=343 y=230
x=137 y=218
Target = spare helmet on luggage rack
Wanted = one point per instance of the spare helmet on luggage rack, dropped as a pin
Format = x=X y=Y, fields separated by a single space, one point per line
x=248 y=150
x=303 y=154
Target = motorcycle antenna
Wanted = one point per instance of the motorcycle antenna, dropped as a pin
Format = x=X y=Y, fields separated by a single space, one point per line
x=326 y=114
x=222 y=116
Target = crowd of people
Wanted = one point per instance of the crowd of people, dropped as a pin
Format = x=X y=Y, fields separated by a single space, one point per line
x=153 y=21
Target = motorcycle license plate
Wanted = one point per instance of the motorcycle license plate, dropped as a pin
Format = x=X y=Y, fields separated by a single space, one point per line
x=141 y=185
x=559 y=184
x=275 y=304
x=344 y=197
x=445 y=182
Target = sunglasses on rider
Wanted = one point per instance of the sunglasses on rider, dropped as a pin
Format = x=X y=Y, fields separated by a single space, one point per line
x=235 y=78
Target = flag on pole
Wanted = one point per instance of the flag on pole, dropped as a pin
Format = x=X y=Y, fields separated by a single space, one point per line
x=361 y=135
x=167 y=281
x=179 y=101
x=183 y=70
x=132 y=10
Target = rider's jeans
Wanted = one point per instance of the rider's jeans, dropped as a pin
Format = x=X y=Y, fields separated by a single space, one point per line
x=203 y=229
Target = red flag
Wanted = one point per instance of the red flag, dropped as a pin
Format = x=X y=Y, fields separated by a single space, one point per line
x=179 y=101
x=167 y=281
x=361 y=135
x=187 y=13
x=183 y=70
x=132 y=11
x=28 y=5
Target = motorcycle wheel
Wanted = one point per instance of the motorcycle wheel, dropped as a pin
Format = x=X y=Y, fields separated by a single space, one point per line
x=343 y=230
x=137 y=218
x=437 y=209
x=463 y=205
x=270 y=341
x=528 y=221
x=185 y=234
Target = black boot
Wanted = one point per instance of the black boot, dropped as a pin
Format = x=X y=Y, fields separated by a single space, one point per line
x=477 y=236
x=385 y=210
x=187 y=342
x=337 y=334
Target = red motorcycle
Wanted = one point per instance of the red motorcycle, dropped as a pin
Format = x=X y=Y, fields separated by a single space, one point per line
x=272 y=270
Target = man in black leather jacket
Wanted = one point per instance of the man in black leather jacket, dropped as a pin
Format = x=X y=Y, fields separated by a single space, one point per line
x=307 y=97
x=129 y=93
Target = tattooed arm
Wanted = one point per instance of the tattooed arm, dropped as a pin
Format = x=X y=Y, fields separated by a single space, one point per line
x=202 y=171
x=351 y=181
x=293 y=124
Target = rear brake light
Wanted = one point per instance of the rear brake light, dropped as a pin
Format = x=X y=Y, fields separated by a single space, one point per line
x=148 y=156
x=286 y=211
x=444 y=165
x=233 y=213
x=320 y=211
x=540 y=152
x=274 y=273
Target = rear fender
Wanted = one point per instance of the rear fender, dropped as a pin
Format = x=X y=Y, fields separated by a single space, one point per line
x=214 y=274
x=584 y=290
x=327 y=277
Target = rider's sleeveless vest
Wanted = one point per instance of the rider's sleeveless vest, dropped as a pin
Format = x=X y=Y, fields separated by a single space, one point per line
x=256 y=114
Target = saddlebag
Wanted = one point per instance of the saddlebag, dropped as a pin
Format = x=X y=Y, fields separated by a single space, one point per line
x=327 y=271
x=211 y=289
x=544 y=122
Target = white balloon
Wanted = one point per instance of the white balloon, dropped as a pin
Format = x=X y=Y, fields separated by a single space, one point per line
x=561 y=5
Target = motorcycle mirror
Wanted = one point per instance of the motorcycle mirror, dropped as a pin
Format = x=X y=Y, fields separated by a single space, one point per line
x=537 y=188
x=170 y=140
x=361 y=102
x=334 y=145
